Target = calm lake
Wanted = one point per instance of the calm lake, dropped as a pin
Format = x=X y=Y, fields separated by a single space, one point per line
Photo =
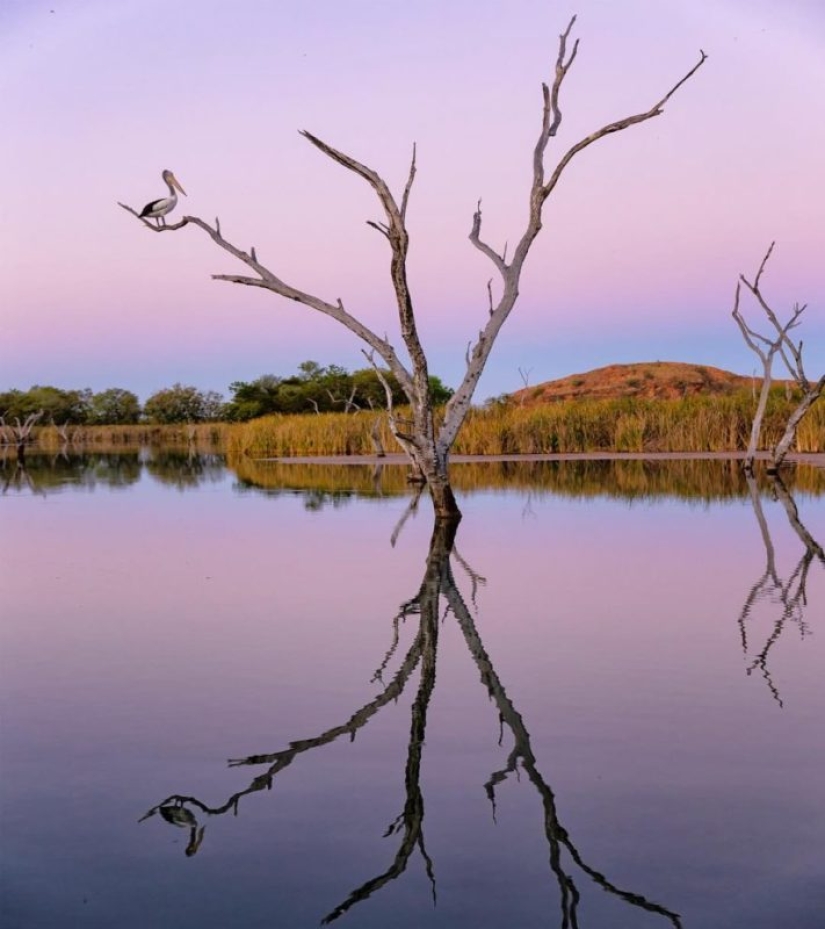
x=272 y=696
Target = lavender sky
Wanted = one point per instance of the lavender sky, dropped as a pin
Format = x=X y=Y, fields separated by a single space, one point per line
x=643 y=239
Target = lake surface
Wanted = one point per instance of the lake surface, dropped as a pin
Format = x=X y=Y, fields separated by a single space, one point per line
x=273 y=697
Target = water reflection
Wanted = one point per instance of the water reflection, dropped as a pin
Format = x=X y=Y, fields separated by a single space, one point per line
x=179 y=628
x=438 y=589
x=17 y=477
x=185 y=468
x=43 y=474
x=690 y=479
x=786 y=596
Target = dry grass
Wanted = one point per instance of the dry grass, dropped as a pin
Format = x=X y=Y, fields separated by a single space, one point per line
x=308 y=435
x=211 y=436
x=691 y=424
x=712 y=423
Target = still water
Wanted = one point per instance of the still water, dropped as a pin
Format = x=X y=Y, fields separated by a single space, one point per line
x=275 y=697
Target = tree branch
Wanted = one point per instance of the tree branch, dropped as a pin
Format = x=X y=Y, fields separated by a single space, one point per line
x=406 y=197
x=398 y=238
x=270 y=281
x=459 y=403
x=491 y=253
x=656 y=110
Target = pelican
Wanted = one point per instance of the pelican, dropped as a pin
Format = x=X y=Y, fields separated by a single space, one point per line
x=158 y=209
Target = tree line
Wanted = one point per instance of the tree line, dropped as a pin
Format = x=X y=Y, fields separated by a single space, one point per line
x=313 y=388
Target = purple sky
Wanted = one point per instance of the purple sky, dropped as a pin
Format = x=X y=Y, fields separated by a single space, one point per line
x=643 y=239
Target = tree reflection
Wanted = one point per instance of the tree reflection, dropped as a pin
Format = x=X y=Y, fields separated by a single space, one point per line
x=787 y=595
x=16 y=476
x=185 y=469
x=43 y=473
x=439 y=586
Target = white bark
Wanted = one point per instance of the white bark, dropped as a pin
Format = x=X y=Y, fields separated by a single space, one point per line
x=767 y=347
x=21 y=432
x=428 y=451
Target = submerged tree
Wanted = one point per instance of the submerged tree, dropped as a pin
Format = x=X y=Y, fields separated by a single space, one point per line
x=767 y=347
x=426 y=442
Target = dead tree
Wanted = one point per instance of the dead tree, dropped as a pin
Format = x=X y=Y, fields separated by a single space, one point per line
x=525 y=379
x=349 y=402
x=427 y=444
x=767 y=347
x=375 y=438
x=20 y=432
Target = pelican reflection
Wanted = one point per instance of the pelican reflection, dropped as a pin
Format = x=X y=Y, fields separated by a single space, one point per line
x=177 y=814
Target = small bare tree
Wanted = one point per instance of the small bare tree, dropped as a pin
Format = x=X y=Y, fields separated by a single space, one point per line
x=524 y=374
x=426 y=443
x=19 y=433
x=767 y=347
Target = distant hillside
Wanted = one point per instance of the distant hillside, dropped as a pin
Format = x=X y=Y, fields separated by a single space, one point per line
x=664 y=380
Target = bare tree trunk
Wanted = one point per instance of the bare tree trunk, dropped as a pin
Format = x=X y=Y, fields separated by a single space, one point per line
x=758 y=416
x=428 y=448
x=766 y=348
x=782 y=447
x=375 y=438
x=21 y=432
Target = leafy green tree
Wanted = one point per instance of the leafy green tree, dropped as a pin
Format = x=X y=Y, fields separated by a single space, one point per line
x=315 y=388
x=310 y=371
x=59 y=406
x=439 y=392
x=212 y=406
x=115 y=407
x=182 y=404
x=12 y=404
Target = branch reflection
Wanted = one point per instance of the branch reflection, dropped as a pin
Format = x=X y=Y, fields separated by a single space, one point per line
x=16 y=476
x=439 y=585
x=788 y=595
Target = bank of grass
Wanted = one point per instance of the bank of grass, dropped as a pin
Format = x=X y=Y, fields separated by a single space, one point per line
x=689 y=424
x=205 y=436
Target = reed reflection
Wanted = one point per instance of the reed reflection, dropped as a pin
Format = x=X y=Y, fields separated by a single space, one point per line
x=439 y=589
x=694 y=480
x=787 y=595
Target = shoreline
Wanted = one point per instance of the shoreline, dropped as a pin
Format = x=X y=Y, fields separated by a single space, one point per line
x=815 y=459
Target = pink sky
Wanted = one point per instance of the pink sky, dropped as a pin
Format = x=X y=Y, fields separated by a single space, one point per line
x=643 y=239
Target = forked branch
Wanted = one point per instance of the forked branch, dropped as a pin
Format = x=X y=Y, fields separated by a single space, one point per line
x=540 y=190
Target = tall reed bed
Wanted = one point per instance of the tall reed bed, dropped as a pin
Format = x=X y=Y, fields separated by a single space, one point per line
x=210 y=436
x=689 y=424
x=309 y=435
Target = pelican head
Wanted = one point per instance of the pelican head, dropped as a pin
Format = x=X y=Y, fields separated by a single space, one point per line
x=172 y=182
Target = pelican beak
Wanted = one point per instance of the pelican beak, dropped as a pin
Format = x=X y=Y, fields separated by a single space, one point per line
x=176 y=183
